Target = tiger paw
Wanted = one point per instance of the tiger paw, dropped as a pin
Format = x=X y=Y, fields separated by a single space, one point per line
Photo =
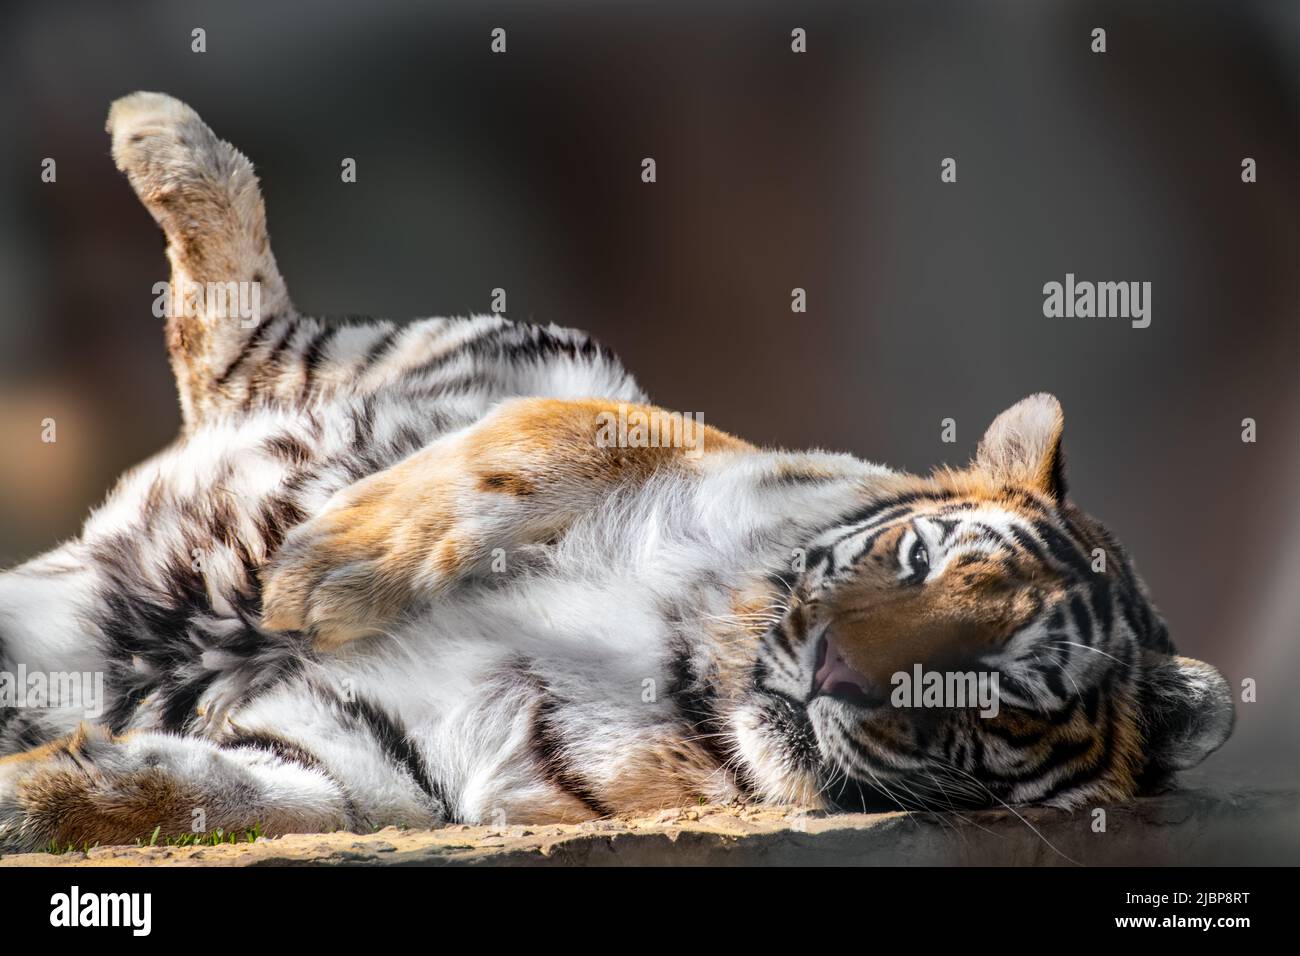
x=348 y=572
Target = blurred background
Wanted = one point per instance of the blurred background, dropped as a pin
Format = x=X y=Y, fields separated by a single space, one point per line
x=775 y=170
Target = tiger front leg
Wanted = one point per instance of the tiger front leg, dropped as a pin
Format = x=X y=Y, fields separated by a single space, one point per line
x=411 y=533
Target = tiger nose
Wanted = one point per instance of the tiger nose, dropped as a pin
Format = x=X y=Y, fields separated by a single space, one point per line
x=835 y=677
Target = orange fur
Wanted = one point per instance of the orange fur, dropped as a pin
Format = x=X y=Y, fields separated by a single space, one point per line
x=406 y=532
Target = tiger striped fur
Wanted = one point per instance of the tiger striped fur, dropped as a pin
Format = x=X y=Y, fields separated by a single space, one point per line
x=387 y=575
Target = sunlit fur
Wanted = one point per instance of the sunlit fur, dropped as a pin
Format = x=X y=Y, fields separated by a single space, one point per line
x=387 y=575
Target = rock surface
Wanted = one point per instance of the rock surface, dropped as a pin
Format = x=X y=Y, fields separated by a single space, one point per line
x=1188 y=826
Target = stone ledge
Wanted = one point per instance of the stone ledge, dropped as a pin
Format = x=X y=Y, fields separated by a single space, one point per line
x=1189 y=826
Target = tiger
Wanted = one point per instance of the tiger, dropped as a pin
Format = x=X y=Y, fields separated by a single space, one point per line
x=399 y=575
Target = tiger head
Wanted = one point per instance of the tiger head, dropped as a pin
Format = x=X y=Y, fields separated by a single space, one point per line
x=972 y=638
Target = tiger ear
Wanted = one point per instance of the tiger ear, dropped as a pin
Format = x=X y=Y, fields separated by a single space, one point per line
x=1187 y=709
x=1023 y=446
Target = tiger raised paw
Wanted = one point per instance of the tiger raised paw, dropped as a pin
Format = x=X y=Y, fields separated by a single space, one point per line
x=404 y=574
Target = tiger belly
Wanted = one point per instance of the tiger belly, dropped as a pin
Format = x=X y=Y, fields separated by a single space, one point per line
x=597 y=708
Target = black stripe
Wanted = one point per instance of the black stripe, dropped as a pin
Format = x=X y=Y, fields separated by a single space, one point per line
x=1026 y=541
x=863 y=515
x=871 y=518
x=782 y=638
x=988 y=531
x=460 y=383
x=484 y=345
x=1063 y=549
x=546 y=740
x=23 y=731
x=289 y=449
x=290 y=752
x=865 y=753
x=1087 y=774
x=285 y=750
x=1082 y=620
x=156 y=640
x=873 y=534
x=278 y=516
x=382 y=344
x=396 y=745
x=696 y=698
x=268 y=369
x=313 y=355
x=548 y=749
x=272 y=360
x=795 y=477
x=1102 y=608
x=252 y=342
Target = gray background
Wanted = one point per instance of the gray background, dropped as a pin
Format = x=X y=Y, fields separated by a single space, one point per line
x=775 y=171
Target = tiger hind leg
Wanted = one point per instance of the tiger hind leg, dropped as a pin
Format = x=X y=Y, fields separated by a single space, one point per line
x=204 y=195
x=92 y=788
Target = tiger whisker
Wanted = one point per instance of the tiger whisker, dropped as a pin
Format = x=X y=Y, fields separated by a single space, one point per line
x=1046 y=842
x=1096 y=650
